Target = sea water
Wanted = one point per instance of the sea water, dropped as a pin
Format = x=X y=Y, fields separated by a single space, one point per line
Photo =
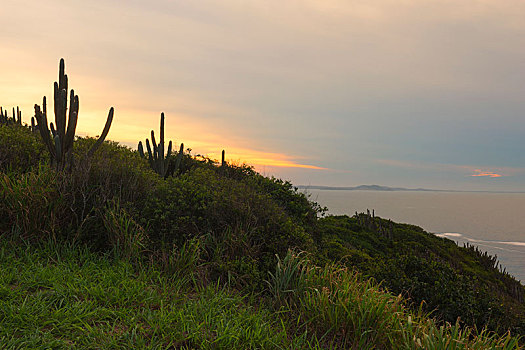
x=495 y=222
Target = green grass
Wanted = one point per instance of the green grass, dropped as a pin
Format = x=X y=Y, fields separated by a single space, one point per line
x=346 y=311
x=62 y=297
x=58 y=296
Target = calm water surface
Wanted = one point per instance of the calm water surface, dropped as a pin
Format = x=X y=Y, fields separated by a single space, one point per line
x=493 y=221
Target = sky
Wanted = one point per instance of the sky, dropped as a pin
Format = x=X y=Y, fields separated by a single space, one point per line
x=404 y=93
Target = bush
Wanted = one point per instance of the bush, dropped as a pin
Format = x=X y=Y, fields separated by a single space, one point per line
x=32 y=206
x=113 y=174
x=289 y=279
x=245 y=227
x=43 y=202
x=20 y=149
x=123 y=233
x=426 y=269
x=296 y=204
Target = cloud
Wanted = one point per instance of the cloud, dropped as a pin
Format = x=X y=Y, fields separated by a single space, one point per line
x=482 y=173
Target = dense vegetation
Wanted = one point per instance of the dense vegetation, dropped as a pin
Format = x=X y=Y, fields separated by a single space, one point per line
x=457 y=282
x=111 y=254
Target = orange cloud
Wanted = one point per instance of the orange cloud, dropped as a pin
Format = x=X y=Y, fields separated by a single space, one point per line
x=485 y=173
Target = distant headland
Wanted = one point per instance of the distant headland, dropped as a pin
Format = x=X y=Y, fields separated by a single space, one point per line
x=386 y=188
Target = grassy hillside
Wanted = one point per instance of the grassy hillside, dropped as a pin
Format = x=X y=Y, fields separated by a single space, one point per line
x=109 y=254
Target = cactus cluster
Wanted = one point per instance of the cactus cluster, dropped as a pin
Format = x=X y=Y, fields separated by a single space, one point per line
x=59 y=140
x=159 y=162
x=370 y=222
x=16 y=119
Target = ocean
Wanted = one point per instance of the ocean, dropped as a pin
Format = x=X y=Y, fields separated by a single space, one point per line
x=495 y=222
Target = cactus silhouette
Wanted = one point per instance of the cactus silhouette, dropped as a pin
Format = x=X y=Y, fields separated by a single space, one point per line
x=59 y=141
x=159 y=162
x=17 y=117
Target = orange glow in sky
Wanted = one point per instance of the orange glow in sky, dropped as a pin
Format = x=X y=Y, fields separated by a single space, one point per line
x=485 y=173
x=193 y=134
x=258 y=158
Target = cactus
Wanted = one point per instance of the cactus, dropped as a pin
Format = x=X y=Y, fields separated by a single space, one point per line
x=34 y=127
x=223 y=162
x=16 y=119
x=159 y=162
x=3 y=116
x=59 y=141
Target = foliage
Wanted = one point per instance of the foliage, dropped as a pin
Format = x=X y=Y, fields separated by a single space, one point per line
x=124 y=234
x=427 y=269
x=246 y=227
x=344 y=310
x=289 y=278
x=31 y=205
x=224 y=225
x=20 y=150
x=63 y=297
x=295 y=203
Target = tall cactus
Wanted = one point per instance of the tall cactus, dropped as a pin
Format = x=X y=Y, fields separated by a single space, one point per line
x=17 y=118
x=59 y=141
x=159 y=162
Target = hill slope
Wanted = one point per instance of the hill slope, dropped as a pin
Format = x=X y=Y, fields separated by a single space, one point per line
x=233 y=228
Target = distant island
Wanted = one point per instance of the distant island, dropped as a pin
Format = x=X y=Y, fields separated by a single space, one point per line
x=368 y=188
x=386 y=188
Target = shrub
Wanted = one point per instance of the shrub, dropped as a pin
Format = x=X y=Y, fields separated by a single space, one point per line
x=296 y=204
x=20 y=149
x=425 y=268
x=342 y=309
x=289 y=279
x=123 y=233
x=114 y=173
x=32 y=205
x=44 y=202
x=245 y=228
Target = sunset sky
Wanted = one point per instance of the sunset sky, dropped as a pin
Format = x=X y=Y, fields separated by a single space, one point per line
x=320 y=92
